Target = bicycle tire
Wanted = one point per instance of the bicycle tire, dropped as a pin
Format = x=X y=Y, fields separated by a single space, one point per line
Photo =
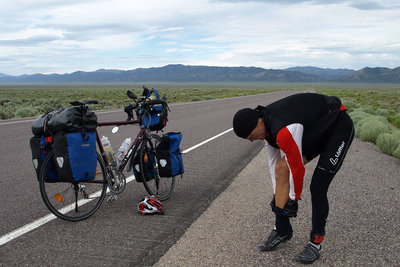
x=160 y=187
x=73 y=201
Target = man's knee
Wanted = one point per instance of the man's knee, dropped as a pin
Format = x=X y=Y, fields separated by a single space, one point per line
x=321 y=180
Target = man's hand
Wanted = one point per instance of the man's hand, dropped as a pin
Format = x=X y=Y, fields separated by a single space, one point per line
x=289 y=210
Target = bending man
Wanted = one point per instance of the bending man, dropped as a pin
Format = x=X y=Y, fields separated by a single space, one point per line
x=302 y=126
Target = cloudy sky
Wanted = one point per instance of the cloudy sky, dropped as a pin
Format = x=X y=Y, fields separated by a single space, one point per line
x=45 y=36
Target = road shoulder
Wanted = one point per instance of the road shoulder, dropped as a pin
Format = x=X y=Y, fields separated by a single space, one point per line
x=364 y=198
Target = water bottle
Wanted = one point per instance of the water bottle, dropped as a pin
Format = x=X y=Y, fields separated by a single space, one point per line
x=108 y=149
x=123 y=149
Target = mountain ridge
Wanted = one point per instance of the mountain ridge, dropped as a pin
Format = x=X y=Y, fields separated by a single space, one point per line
x=192 y=73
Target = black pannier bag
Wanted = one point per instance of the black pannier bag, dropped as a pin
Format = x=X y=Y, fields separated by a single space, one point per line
x=71 y=119
x=169 y=156
x=41 y=147
x=148 y=165
x=38 y=125
x=75 y=156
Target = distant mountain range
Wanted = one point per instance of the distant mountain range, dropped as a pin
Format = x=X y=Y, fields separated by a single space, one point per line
x=183 y=73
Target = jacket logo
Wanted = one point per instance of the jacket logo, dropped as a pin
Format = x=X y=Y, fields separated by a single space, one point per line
x=335 y=160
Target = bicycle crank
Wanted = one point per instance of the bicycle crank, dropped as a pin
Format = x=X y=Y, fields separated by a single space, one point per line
x=116 y=182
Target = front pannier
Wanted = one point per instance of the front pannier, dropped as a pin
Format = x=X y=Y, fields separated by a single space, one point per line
x=154 y=118
x=169 y=156
x=148 y=166
x=75 y=156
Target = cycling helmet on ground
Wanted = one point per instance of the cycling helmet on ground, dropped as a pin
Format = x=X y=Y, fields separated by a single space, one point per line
x=150 y=205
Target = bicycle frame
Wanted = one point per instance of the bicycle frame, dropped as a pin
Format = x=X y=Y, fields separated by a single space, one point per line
x=132 y=148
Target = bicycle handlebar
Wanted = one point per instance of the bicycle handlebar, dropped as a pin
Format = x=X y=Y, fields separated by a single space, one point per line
x=129 y=110
x=142 y=103
x=154 y=102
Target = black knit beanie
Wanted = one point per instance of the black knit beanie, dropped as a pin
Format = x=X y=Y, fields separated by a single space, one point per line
x=245 y=121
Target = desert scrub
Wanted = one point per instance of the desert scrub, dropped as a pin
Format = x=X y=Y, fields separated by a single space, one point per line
x=384 y=100
x=25 y=112
x=371 y=129
x=376 y=129
x=396 y=153
x=388 y=142
x=196 y=98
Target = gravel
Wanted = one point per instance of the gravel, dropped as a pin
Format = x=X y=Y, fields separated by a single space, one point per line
x=363 y=226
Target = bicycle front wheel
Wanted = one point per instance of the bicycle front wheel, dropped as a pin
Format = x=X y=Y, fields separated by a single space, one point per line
x=72 y=201
x=155 y=185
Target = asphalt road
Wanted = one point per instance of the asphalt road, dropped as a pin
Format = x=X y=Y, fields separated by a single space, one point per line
x=116 y=234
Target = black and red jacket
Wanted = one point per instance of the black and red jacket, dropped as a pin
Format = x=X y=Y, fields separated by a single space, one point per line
x=298 y=125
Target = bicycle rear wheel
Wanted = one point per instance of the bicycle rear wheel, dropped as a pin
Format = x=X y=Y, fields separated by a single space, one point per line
x=158 y=186
x=73 y=201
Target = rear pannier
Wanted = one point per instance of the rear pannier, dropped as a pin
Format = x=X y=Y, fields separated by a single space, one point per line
x=75 y=156
x=41 y=147
x=73 y=141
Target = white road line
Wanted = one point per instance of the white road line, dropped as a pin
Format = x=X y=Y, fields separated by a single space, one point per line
x=39 y=222
x=206 y=141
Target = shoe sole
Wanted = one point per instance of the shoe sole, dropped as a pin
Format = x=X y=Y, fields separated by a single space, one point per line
x=304 y=261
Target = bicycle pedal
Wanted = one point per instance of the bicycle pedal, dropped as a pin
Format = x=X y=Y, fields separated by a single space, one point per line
x=112 y=198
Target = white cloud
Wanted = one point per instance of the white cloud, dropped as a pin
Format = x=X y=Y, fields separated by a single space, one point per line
x=48 y=36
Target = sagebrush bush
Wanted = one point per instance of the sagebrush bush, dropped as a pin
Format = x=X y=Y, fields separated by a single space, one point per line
x=369 y=117
x=396 y=121
x=358 y=115
x=396 y=152
x=6 y=113
x=26 y=112
x=196 y=98
x=372 y=127
x=388 y=142
x=369 y=110
x=382 y=112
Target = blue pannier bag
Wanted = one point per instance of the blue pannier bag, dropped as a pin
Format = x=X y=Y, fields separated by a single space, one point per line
x=155 y=119
x=41 y=147
x=75 y=156
x=169 y=156
x=148 y=167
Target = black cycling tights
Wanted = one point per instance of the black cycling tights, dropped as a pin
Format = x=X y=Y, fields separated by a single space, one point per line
x=329 y=163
